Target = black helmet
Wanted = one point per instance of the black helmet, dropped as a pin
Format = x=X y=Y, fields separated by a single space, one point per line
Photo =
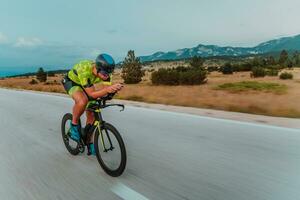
x=105 y=64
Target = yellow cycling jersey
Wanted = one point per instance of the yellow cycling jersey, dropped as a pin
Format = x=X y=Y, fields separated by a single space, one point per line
x=82 y=74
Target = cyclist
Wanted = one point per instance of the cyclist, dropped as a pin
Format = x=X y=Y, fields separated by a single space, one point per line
x=79 y=84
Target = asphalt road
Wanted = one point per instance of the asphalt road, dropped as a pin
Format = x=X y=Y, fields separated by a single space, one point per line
x=170 y=156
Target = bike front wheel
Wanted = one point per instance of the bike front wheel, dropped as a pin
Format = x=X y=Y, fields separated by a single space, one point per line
x=110 y=150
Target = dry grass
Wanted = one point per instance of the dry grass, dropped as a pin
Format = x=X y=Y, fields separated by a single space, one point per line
x=245 y=86
x=23 y=83
x=203 y=96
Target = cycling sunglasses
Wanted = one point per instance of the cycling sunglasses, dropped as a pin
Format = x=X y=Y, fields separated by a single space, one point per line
x=105 y=73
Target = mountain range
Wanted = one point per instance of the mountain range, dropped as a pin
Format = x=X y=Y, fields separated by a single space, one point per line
x=277 y=45
x=16 y=59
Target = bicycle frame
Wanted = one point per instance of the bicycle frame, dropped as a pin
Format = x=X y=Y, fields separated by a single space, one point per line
x=98 y=122
x=97 y=125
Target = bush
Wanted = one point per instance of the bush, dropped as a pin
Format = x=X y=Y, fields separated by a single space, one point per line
x=165 y=77
x=227 y=69
x=286 y=75
x=33 y=81
x=193 y=77
x=272 y=72
x=289 y=64
x=246 y=66
x=212 y=69
x=179 y=76
x=181 y=69
x=41 y=75
x=258 y=72
x=196 y=62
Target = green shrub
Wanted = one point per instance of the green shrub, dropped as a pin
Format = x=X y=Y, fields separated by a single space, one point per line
x=227 y=69
x=179 y=76
x=196 y=62
x=41 y=75
x=165 y=77
x=181 y=69
x=258 y=72
x=286 y=75
x=243 y=67
x=212 y=69
x=33 y=82
x=193 y=77
x=272 y=72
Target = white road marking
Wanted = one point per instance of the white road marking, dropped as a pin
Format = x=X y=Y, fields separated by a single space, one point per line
x=127 y=193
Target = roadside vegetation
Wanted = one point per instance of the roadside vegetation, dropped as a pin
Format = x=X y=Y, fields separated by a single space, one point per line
x=195 y=74
x=245 y=86
x=132 y=72
x=265 y=84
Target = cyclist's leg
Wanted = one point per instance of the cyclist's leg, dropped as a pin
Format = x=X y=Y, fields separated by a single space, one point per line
x=81 y=101
x=89 y=123
x=89 y=117
x=78 y=95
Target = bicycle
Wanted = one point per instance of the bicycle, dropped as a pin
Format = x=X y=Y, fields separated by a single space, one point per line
x=106 y=138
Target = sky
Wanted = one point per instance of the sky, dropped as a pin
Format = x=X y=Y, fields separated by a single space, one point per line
x=66 y=30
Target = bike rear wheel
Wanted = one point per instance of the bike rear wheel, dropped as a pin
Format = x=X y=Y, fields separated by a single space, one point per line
x=72 y=146
x=110 y=150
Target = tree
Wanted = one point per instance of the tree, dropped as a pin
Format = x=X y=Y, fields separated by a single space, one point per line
x=132 y=72
x=296 y=58
x=196 y=62
x=271 y=60
x=289 y=64
x=41 y=75
x=283 y=57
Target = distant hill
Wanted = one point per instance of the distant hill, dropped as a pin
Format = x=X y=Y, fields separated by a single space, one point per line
x=287 y=43
x=60 y=71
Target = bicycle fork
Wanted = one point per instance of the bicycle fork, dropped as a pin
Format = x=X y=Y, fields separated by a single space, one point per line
x=98 y=125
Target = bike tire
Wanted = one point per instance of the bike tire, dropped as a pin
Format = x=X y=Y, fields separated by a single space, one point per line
x=119 y=171
x=74 y=151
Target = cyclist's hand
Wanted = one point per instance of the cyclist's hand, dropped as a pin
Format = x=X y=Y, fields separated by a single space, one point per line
x=114 y=88
x=110 y=89
x=119 y=86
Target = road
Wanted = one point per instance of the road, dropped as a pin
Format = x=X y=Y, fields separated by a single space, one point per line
x=170 y=156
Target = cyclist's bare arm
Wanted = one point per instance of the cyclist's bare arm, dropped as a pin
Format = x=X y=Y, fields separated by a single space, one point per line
x=92 y=92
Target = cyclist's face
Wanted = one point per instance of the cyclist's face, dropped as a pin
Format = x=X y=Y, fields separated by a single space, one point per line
x=103 y=76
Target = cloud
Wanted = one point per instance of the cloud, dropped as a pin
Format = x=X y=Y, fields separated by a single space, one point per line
x=28 y=42
x=3 y=38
